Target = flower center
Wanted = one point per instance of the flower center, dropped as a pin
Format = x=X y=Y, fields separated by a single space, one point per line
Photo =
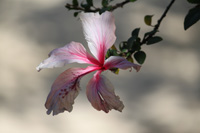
x=103 y=68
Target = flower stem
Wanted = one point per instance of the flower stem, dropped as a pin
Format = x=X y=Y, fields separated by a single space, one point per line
x=156 y=27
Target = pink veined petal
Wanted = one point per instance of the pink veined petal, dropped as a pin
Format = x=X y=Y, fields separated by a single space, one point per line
x=65 y=89
x=99 y=31
x=72 y=52
x=100 y=93
x=120 y=62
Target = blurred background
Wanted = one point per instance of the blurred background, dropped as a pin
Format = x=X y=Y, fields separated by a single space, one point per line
x=164 y=97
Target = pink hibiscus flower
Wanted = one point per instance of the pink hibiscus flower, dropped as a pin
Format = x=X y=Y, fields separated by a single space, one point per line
x=99 y=31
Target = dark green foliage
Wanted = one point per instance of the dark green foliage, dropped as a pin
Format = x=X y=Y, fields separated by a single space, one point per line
x=85 y=6
x=104 y=3
x=135 y=32
x=105 y=6
x=112 y=52
x=134 y=44
x=75 y=2
x=76 y=14
x=194 y=1
x=154 y=40
x=140 y=57
x=123 y=47
x=88 y=6
x=192 y=17
x=90 y=2
x=102 y=10
x=150 y=33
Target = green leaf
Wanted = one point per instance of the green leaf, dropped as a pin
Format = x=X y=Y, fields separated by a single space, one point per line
x=112 y=52
x=113 y=47
x=90 y=2
x=194 y=1
x=130 y=42
x=148 y=20
x=75 y=2
x=133 y=44
x=153 y=40
x=140 y=57
x=132 y=0
x=192 y=17
x=114 y=70
x=136 y=45
x=104 y=3
x=76 y=14
x=135 y=32
x=149 y=33
x=124 y=50
x=85 y=6
x=130 y=58
x=123 y=46
x=102 y=10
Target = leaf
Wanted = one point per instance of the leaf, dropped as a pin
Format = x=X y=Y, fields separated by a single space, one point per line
x=130 y=58
x=85 y=6
x=133 y=44
x=130 y=42
x=194 y=1
x=113 y=47
x=75 y=2
x=104 y=3
x=192 y=17
x=135 y=32
x=76 y=14
x=150 y=33
x=90 y=2
x=153 y=40
x=124 y=50
x=112 y=52
x=140 y=57
x=136 y=45
x=102 y=10
x=132 y=0
x=114 y=70
x=123 y=46
x=148 y=20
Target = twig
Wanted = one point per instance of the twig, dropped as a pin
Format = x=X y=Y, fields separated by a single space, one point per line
x=120 y=5
x=156 y=27
x=72 y=7
x=112 y=8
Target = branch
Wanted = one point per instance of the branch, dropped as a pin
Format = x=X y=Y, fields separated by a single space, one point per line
x=153 y=32
x=94 y=9
x=120 y=4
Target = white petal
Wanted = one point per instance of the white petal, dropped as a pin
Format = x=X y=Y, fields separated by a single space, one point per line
x=99 y=31
x=100 y=93
x=120 y=62
x=72 y=52
x=65 y=89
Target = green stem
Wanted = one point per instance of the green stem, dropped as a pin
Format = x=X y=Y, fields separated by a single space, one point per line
x=156 y=27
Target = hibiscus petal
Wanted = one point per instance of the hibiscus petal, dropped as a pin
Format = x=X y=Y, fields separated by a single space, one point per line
x=65 y=89
x=100 y=93
x=72 y=52
x=120 y=62
x=99 y=31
